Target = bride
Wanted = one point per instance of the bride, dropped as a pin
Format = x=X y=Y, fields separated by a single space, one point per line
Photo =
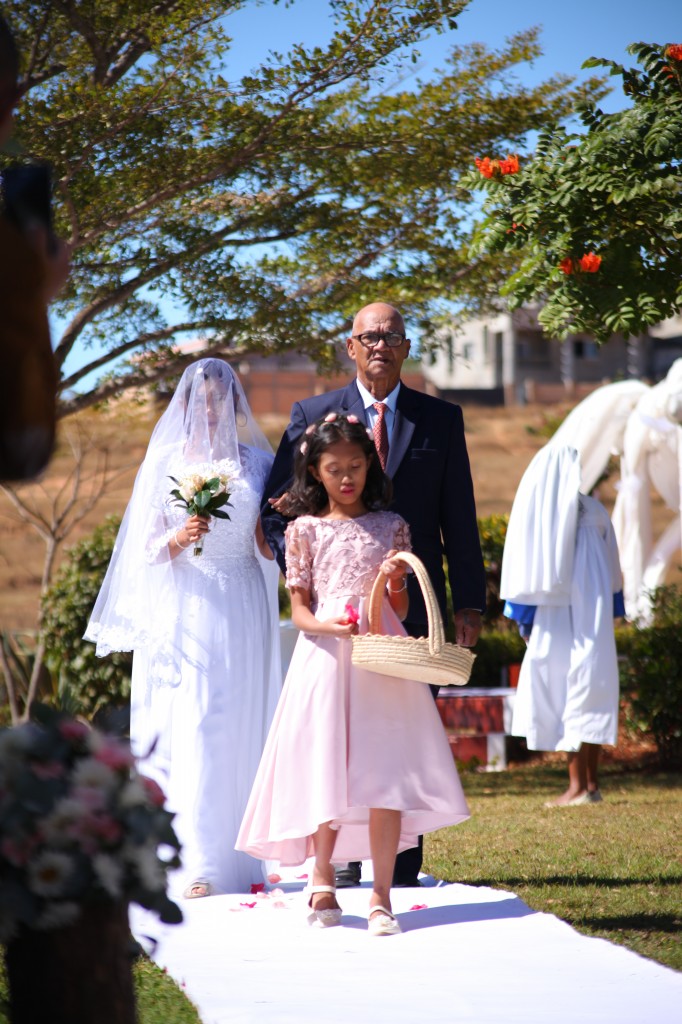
x=202 y=622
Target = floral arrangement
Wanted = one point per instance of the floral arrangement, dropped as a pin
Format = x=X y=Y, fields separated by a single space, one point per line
x=202 y=496
x=78 y=825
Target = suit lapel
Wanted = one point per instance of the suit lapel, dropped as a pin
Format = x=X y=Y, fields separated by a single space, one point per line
x=352 y=402
x=406 y=415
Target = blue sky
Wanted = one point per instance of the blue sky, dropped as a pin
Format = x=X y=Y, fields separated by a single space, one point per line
x=572 y=31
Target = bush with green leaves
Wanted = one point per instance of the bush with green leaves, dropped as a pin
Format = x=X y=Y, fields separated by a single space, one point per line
x=91 y=684
x=650 y=659
x=493 y=531
x=496 y=649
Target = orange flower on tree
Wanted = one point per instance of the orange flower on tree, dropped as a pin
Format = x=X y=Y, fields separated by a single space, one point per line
x=587 y=264
x=510 y=165
x=674 y=51
x=496 y=168
x=590 y=263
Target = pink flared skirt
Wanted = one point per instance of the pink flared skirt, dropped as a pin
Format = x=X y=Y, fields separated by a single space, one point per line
x=343 y=741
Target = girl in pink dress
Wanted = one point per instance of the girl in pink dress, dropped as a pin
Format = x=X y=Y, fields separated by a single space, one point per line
x=356 y=764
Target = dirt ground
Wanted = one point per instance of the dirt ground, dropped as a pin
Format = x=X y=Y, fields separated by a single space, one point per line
x=501 y=443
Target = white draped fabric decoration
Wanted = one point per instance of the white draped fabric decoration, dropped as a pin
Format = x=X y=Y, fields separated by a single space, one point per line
x=561 y=555
x=642 y=426
x=539 y=548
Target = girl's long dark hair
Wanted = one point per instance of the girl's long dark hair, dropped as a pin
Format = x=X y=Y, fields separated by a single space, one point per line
x=306 y=495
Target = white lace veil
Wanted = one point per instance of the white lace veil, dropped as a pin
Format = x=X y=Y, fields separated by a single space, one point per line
x=208 y=419
x=537 y=565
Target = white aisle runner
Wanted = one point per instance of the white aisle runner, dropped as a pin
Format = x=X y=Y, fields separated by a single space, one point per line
x=467 y=956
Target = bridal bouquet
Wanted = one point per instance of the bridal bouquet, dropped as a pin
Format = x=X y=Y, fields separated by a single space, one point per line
x=78 y=826
x=202 y=496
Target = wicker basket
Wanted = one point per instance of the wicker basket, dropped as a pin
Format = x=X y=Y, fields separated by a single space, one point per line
x=427 y=659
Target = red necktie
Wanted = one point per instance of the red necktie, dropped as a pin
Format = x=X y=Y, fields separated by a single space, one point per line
x=381 y=433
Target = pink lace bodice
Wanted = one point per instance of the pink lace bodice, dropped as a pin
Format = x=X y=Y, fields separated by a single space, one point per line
x=341 y=557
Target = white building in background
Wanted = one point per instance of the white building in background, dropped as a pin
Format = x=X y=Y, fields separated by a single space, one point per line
x=509 y=360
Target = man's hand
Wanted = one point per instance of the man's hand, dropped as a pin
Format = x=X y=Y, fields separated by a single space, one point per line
x=468 y=624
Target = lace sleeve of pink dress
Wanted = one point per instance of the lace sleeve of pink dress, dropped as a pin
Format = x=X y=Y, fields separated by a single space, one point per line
x=403 y=540
x=299 y=556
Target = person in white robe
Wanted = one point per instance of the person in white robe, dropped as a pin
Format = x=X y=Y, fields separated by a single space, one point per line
x=562 y=583
x=202 y=622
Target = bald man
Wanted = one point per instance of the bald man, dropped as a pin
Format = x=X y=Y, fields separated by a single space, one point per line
x=427 y=461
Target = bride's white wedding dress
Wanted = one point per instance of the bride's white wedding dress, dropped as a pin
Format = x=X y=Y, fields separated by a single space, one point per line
x=204 y=630
x=200 y=715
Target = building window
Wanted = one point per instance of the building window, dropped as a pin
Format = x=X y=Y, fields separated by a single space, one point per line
x=532 y=348
x=468 y=351
x=584 y=348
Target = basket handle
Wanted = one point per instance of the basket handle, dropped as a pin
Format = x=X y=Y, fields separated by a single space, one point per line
x=436 y=634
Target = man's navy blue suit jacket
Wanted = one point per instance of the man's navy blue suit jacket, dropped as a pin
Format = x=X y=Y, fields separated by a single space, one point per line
x=432 y=490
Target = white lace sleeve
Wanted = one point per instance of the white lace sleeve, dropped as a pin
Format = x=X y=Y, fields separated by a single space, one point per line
x=299 y=557
x=402 y=540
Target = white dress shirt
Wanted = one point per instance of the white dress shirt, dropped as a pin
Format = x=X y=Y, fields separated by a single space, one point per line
x=390 y=401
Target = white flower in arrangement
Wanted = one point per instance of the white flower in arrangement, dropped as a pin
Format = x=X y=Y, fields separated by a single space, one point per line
x=49 y=872
x=133 y=794
x=93 y=774
x=145 y=859
x=64 y=823
x=109 y=873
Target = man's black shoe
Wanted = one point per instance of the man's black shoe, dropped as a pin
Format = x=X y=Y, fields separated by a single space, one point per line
x=348 y=876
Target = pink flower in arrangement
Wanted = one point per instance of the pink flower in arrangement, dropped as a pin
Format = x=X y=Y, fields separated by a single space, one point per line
x=153 y=791
x=18 y=851
x=114 y=756
x=73 y=731
x=46 y=770
x=352 y=614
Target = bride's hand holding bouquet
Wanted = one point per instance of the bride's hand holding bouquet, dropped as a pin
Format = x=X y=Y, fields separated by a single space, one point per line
x=202 y=497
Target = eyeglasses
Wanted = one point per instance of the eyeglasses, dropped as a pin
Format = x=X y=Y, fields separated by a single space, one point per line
x=370 y=339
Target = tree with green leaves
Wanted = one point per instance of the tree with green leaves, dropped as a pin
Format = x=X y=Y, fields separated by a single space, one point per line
x=593 y=221
x=260 y=211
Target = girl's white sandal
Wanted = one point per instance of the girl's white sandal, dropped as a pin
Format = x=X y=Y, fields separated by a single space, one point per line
x=382 y=922
x=323 y=918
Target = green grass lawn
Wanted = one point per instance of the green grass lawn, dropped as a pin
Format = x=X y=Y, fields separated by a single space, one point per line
x=613 y=869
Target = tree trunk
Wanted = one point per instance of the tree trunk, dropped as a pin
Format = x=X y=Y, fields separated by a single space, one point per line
x=80 y=974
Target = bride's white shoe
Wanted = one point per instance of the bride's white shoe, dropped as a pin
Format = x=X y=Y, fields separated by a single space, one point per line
x=323 y=918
